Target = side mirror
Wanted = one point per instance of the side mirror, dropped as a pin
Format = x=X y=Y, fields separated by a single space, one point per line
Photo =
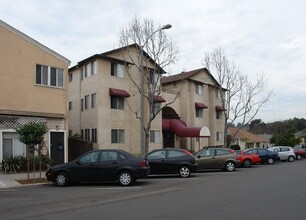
x=78 y=162
x=199 y=156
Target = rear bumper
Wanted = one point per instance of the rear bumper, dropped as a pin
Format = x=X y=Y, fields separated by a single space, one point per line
x=142 y=173
x=193 y=168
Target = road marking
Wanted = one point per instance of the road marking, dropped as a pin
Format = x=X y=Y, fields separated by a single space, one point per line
x=8 y=190
x=2 y=184
x=114 y=188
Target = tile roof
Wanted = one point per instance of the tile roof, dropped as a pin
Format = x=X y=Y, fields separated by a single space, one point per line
x=245 y=135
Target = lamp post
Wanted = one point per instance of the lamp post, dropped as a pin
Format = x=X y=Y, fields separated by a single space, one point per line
x=142 y=138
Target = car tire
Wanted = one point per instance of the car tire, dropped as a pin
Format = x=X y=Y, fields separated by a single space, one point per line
x=184 y=171
x=247 y=163
x=291 y=158
x=270 y=161
x=230 y=166
x=125 y=178
x=298 y=157
x=61 y=179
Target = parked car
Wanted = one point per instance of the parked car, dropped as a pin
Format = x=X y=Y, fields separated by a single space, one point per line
x=171 y=161
x=265 y=155
x=300 y=151
x=100 y=165
x=284 y=152
x=247 y=159
x=217 y=158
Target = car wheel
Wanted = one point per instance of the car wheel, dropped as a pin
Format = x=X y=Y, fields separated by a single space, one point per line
x=247 y=163
x=125 y=178
x=61 y=179
x=230 y=166
x=298 y=157
x=291 y=158
x=184 y=172
x=270 y=161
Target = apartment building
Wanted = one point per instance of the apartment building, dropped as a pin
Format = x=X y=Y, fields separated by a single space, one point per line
x=32 y=89
x=196 y=118
x=104 y=101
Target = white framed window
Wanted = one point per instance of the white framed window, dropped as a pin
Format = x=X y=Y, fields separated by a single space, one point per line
x=117 y=136
x=94 y=135
x=82 y=73
x=154 y=136
x=218 y=114
x=93 y=100
x=70 y=77
x=117 y=70
x=86 y=106
x=49 y=76
x=87 y=69
x=117 y=102
x=198 y=88
x=156 y=107
x=70 y=106
x=218 y=136
x=87 y=134
x=199 y=112
x=218 y=93
x=94 y=67
x=82 y=105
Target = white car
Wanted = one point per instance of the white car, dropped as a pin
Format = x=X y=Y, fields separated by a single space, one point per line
x=284 y=152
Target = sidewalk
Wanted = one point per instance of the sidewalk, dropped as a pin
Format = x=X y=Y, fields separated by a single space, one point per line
x=9 y=180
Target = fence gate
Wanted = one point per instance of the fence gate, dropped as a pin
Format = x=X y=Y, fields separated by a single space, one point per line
x=57 y=147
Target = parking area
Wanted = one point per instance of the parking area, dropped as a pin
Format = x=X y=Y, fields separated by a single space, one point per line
x=258 y=192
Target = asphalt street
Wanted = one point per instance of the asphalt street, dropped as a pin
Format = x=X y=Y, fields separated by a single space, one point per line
x=261 y=192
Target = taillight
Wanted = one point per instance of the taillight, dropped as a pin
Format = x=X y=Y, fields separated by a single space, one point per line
x=144 y=163
x=230 y=150
x=188 y=153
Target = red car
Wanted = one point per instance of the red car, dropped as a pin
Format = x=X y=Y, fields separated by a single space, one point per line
x=300 y=153
x=247 y=159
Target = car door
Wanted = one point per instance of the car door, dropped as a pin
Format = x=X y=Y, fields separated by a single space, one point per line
x=206 y=159
x=222 y=156
x=263 y=154
x=108 y=164
x=85 y=168
x=174 y=159
x=157 y=161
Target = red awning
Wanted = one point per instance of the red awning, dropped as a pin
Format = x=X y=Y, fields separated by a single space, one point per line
x=180 y=128
x=158 y=99
x=118 y=92
x=219 y=108
x=199 y=105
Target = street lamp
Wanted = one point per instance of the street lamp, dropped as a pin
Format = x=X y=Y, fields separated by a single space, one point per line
x=143 y=150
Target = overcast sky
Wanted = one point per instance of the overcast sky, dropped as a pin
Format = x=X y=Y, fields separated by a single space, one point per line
x=260 y=36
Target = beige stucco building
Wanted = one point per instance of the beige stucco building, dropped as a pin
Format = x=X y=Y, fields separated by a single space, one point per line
x=199 y=107
x=104 y=103
x=32 y=89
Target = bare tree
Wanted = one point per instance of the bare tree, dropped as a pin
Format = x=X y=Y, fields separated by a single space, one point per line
x=155 y=51
x=242 y=98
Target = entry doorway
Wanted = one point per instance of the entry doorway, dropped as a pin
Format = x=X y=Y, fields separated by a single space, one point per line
x=57 y=147
x=168 y=139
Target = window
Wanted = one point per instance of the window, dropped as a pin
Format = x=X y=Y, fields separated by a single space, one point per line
x=86 y=102
x=94 y=135
x=117 y=69
x=108 y=156
x=93 y=67
x=117 y=102
x=82 y=134
x=87 y=134
x=70 y=77
x=207 y=153
x=218 y=93
x=154 y=78
x=198 y=88
x=220 y=152
x=82 y=73
x=218 y=114
x=70 y=133
x=154 y=136
x=70 y=106
x=160 y=154
x=117 y=136
x=87 y=69
x=218 y=136
x=93 y=100
x=174 y=153
x=90 y=157
x=156 y=107
x=49 y=76
x=199 y=113
x=82 y=105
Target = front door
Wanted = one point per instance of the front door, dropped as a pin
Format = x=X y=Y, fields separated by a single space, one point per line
x=168 y=139
x=57 y=147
